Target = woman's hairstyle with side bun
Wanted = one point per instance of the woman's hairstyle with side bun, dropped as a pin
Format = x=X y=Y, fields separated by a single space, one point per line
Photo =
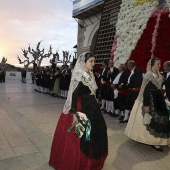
x=88 y=55
x=153 y=60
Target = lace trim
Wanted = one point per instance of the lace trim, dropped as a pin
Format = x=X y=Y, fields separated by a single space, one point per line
x=89 y=80
x=147 y=78
x=86 y=79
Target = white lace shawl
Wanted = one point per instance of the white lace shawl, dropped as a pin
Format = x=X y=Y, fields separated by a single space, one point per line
x=78 y=75
x=150 y=77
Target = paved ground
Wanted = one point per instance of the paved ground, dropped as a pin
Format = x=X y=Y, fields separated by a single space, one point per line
x=27 y=123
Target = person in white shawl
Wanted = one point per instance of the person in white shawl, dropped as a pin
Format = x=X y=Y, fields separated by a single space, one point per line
x=149 y=119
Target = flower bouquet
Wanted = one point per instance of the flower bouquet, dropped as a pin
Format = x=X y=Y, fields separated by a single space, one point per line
x=81 y=125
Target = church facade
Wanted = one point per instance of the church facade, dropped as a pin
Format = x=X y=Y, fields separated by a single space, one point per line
x=124 y=30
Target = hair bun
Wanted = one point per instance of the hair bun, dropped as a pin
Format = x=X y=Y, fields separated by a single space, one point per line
x=88 y=55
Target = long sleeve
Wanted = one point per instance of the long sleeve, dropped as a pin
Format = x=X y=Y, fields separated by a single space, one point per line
x=75 y=98
x=136 y=79
x=122 y=80
x=104 y=76
x=146 y=96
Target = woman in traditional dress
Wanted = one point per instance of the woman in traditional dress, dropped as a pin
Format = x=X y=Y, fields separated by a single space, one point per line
x=89 y=150
x=56 y=89
x=149 y=119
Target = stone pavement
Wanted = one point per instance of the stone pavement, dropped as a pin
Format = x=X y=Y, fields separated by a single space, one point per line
x=27 y=123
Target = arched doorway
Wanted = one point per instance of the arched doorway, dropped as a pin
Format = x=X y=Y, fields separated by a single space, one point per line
x=93 y=42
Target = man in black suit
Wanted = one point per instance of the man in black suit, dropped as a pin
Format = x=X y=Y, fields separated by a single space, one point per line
x=167 y=78
x=112 y=73
x=120 y=90
x=134 y=83
x=104 y=83
x=65 y=81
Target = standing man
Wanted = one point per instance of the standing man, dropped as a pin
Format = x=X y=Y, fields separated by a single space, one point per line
x=1 y=70
x=166 y=67
x=112 y=73
x=62 y=81
x=54 y=62
x=134 y=83
x=24 y=74
x=104 y=83
x=120 y=89
x=67 y=79
x=3 y=74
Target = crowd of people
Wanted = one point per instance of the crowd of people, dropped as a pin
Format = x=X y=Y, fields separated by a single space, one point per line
x=118 y=88
x=54 y=81
x=140 y=100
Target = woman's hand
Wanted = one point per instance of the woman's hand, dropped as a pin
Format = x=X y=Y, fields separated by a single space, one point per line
x=112 y=86
x=82 y=116
x=146 y=109
x=109 y=72
x=167 y=102
x=121 y=85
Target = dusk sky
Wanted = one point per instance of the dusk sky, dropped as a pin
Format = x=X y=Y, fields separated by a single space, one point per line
x=24 y=22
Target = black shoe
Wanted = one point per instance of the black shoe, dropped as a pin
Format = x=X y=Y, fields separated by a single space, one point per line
x=114 y=115
x=157 y=149
x=105 y=111
x=121 y=117
x=123 y=121
x=102 y=109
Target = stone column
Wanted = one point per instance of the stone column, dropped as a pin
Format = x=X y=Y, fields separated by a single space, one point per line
x=80 y=37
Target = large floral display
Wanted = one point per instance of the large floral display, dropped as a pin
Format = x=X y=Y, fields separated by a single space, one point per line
x=142 y=32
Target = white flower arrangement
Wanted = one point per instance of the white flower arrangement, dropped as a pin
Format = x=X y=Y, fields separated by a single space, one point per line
x=168 y=5
x=132 y=21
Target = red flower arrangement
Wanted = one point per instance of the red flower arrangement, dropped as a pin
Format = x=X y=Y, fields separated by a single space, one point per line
x=142 y=53
x=155 y=40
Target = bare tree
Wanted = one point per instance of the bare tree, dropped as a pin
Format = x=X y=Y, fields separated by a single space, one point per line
x=3 y=61
x=42 y=55
x=57 y=56
x=66 y=57
x=27 y=61
x=37 y=54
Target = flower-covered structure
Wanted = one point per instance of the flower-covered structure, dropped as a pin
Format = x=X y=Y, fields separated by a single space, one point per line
x=142 y=32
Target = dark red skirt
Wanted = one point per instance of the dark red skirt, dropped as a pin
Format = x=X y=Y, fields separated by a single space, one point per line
x=65 y=150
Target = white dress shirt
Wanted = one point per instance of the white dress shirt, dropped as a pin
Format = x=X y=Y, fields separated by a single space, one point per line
x=102 y=75
x=131 y=73
x=116 y=81
x=168 y=74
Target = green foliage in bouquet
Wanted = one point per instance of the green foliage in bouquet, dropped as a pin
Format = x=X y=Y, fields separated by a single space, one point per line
x=80 y=126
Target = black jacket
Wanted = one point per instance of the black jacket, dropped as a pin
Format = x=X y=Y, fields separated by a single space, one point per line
x=135 y=79
x=123 y=79
x=167 y=86
x=113 y=74
x=104 y=76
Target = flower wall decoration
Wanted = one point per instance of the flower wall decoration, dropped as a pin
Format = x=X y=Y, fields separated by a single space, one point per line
x=114 y=46
x=142 y=32
x=155 y=40
x=131 y=23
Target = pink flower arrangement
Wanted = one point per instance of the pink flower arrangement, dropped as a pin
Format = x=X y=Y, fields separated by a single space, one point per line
x=114 y=47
